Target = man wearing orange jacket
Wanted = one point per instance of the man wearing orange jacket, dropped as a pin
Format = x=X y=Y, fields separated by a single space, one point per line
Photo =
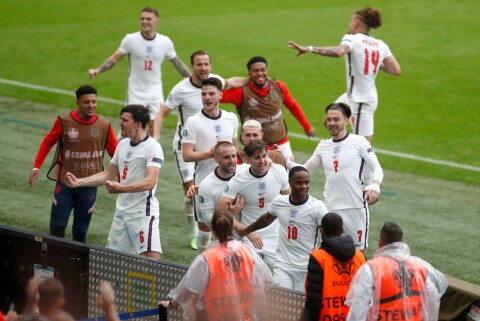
x=262 y=100
x=330 y=270
x=395 y=285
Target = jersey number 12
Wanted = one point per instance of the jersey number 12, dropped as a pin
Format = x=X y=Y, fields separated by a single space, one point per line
x=148 y=65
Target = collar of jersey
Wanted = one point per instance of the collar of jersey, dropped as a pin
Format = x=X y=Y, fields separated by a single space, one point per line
x=341 y=139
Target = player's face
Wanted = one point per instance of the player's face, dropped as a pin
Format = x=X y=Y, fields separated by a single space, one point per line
x=201 y=67
x=210 y=99
x=87 y=104
x=258 y=163
x=336 y=123
x=127 y=125
x=258 y=74
x=251 y=133
x=227 y=160
x=148 y=21
x=300 y=184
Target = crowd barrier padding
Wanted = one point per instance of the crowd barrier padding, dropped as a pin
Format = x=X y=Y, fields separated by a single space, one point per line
x=140 y=282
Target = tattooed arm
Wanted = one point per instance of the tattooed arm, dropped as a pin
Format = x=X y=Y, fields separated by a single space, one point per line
x=181 y=67
x=108 y=64
x=337 y=51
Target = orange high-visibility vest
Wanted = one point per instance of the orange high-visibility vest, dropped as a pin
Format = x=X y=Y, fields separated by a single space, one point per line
x=400 y=284
x=337 y=276
x=229 y=294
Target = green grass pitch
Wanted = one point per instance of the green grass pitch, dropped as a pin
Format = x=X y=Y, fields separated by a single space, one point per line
x=430 y=111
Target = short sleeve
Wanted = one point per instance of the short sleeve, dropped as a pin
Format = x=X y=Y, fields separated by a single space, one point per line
x=348 y=41
x=170 y=49
x=320 y=211
x=273 y=210
x=155 y=156
x=189 y=134
x=232 y=188
x=125 y=45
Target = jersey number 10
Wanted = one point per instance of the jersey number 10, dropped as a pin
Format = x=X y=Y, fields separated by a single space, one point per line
x=292 y=232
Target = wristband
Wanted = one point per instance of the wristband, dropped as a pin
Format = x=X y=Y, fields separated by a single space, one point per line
x=310 y=49
x=35 y=169
x=373 y=187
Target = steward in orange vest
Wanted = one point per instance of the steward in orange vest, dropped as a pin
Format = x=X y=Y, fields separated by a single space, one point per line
x=330 y=271
x=226 y=282
x=400 y=283
x=394 y=285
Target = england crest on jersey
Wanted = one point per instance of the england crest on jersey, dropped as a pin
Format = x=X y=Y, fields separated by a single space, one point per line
x=149 y=49
x=262 y=186
x=129 y=154
x=293 y=215
x=218 y=128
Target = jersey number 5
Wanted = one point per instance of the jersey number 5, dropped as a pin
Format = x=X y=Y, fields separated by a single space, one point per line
x=374 y=57
x=261 y=202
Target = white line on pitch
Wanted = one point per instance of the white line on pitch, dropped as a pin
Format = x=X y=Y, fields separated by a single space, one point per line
x=296 y=135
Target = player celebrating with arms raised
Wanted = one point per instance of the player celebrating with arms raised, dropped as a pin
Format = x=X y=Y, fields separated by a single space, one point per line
x=364 y=56
x=146 y=50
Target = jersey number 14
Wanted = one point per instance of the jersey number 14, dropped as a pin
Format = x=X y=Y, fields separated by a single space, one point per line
x=374 y=58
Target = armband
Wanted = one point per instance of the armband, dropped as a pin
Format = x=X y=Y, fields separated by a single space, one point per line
x=310 y=48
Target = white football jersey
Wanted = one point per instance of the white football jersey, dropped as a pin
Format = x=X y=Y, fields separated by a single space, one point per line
x=205 y=132
x=259 y=192
x=299 y=224
x=343 y=163
x=186 y=99
x=132 y=161
x=362 y=65
x=146 y=58
x=211 y=190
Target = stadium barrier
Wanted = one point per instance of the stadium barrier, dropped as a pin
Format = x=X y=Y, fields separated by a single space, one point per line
x=140 y=282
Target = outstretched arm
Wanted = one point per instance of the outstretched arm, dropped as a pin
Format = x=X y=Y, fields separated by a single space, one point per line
x=107 y=64
x=236 y=82
x=180 y=66
x=293 y=106
x=337 y=51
